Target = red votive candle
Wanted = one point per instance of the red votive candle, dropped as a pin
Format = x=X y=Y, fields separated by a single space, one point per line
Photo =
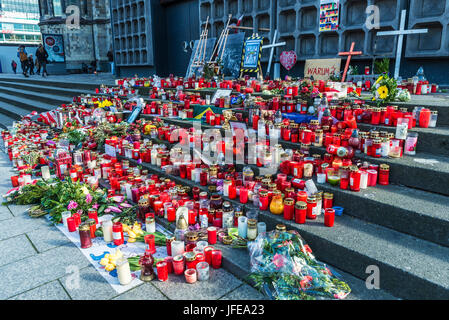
x=169 y=262
x=216 y=258
x=208 y=254
x=243 y=195
x=168 y=242
x=211 y=235
x=178 y=264
x=329 y=217
x=15 y=181
x=150 y=241
x=162 y=271
x=232 y=192
x=71 y=224
x=92 y=214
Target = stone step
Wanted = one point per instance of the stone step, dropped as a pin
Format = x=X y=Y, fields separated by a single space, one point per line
x=391 y=206
x=70 y=82
x=423 y=171
x=26 y=104
x=436 y=102
x=430 y=140
x=49 y=99
x=11 y=111
x=46 y=89
x=352 y=245
x=6 y=121
x=237 y=262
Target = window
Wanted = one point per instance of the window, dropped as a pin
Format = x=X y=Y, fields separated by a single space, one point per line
x=57 y=8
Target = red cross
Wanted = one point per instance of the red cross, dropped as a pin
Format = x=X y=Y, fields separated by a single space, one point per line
x=349 y=54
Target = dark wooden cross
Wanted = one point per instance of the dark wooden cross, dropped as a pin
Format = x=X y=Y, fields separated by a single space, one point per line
x=350 y=53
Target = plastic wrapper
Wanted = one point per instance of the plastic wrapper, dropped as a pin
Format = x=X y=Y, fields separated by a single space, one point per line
x=284 y=268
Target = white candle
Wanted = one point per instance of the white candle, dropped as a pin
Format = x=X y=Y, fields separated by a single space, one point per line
x=151 y=227
x=364 y=180
x=128 y=191
x=45 y=172
x=123 y=271
x=107 y=231
x=242 y=226
x=65 y=215
x=321 y=177
x=261 y=227
x=177 y=248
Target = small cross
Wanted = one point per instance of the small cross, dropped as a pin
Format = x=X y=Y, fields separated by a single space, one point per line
x=350 y=53
x=272 y=46
x=401 y=32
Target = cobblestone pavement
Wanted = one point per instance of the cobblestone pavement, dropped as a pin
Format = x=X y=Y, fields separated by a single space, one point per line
x=34 y=256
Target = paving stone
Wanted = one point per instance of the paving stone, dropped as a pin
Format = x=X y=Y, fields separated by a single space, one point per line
x=17 y=210
x=14 y=249
x=5 y=215
x=39 y=269
x=220 y=283
x=92 y=286
x=47 y=238
x=49 y=291
x=145 y=291
x=21 y=224
x=244 y=292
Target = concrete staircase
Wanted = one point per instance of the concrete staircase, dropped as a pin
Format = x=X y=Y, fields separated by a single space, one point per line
x=403 y=228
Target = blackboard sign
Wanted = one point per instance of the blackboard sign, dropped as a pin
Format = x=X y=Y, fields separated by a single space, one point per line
x=233 y=55
x=252 y=51
x=210 y=43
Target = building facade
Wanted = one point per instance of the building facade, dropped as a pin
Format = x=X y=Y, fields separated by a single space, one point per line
x=86 y=29
x=19 y=22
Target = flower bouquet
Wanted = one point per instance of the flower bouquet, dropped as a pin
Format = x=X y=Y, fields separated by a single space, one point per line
x=385 y=90
x=284 y=267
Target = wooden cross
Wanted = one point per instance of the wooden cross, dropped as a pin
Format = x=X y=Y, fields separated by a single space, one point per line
x=401 y=32
x=350 y=53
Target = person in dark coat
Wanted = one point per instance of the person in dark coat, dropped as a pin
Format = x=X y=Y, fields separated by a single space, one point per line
x=42 y=55
x=14 y=66
x=31 y=64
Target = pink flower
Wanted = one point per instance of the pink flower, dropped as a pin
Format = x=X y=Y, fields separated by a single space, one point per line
x=278 y=260
x=88 y=198
x=95 y=206
x=113 y=209
x=72 y=205
x=125 y=205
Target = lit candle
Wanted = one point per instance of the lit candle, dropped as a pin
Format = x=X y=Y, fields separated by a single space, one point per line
x=177 y=248
x=107 y=230
x=242 y=226
x=65 y=215
x=45 y=172
x=123 y=271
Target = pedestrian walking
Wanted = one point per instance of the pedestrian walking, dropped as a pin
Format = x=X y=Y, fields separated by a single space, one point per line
x=41 y=56
x=23 y=56
x=31 y=64
x=14 y=67
x=111 y=60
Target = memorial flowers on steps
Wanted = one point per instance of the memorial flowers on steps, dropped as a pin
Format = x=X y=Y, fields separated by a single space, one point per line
x=283 y=266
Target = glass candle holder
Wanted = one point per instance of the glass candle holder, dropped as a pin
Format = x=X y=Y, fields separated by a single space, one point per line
x=242 y=226
x=177 y=248
x=123 y=271
x=65 y=215
x=216 y=258
x=190 y=275
x=178 y=264
x=202 y=269
x=162 y=271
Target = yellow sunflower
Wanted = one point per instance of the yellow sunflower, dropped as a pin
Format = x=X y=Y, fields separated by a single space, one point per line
x=383 y=92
